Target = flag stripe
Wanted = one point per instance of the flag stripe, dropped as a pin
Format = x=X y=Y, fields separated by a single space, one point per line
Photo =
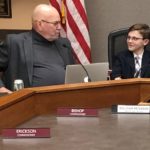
x=78 y=34
x=76 y=47
x=81 y=11
x=76 y=28
x=79 y=22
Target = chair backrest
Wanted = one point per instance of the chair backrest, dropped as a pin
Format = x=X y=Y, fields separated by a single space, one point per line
x=116 y=43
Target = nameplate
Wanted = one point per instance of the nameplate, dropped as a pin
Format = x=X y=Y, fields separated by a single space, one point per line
x=26 y=133
x=79 y=112
x=134 y=109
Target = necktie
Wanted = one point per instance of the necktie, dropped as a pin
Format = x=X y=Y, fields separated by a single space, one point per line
x=137 y=67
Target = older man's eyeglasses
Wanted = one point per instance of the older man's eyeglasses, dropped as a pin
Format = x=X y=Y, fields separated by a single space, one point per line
x=55 y=23
x=134 y=38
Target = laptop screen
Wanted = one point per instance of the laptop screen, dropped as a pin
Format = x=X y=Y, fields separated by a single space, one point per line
x=78 y=73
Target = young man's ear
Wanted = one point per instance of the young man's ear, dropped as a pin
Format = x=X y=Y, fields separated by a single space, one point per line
x=146 y=42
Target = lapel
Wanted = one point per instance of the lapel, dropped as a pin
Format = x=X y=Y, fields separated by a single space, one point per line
x=29 y=56
x=145 y=59
x=130 y=60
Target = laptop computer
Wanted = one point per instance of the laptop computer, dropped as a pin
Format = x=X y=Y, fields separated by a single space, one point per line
x=94 y=71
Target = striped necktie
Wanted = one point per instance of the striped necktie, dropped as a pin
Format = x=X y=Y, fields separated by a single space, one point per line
x=137 y=68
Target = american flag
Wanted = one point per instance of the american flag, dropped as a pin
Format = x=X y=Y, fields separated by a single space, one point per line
x=75 y=27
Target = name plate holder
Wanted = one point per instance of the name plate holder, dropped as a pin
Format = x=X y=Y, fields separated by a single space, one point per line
x=77 y=112
x=26 y=133
x=131 y=109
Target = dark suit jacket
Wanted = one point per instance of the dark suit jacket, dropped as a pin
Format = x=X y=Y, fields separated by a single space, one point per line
x=124 y=65
x=16 y=57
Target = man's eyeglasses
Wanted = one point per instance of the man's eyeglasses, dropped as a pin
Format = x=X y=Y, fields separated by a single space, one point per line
x=55 y=23
x=133 y=38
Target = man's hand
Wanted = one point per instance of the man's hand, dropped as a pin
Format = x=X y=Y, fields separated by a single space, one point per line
x=5 y=90
x=118 y=78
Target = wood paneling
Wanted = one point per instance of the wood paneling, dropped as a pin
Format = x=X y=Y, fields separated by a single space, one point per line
x=27 y=103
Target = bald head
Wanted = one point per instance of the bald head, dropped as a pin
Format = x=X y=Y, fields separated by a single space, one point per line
x=43 y=11
x=46 y=21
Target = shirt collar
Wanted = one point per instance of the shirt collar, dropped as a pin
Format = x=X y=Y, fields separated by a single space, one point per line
x=139 y=56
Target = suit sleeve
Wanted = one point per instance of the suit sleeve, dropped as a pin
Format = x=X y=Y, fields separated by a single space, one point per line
x=116 y=68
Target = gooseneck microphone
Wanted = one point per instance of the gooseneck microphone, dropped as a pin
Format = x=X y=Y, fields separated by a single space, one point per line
x=88 y=77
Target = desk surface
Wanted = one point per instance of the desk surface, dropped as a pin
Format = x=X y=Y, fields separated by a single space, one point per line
x=106 y=132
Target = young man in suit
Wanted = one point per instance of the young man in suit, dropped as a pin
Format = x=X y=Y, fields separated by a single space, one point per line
x=38 y=57
x=135 y=61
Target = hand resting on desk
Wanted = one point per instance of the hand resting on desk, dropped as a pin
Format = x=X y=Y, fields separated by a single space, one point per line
x=5 y=90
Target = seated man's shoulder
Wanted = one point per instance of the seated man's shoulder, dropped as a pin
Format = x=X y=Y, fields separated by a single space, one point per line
x=124 y=53
x=147 y=51
x=147 y=48
x=18 y=36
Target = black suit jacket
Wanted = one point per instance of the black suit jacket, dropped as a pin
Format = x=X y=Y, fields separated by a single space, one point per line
x=16 y=58
x=124 y=65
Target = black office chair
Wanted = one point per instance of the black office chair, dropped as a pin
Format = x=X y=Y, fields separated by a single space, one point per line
x=116 y=43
